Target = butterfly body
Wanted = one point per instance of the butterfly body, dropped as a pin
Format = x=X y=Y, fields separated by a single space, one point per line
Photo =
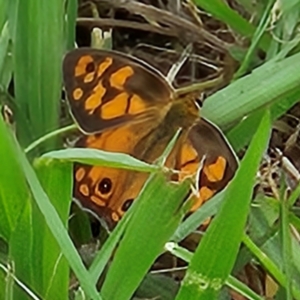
x=125 y=106
x=182 y=115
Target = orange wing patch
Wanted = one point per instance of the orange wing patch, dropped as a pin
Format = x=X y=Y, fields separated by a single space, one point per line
x=189 y=161
x=86 y=66
x=89 y=77
x=116 y=107
x=137 y=105
x=215 y=172
x=115 y=217
x=79 y=174
x=104 y=66
x=77 y=93
x=81 y=66
x=95 y=99
x=98 y=201
x=123 y=103
x=117 y=140
x=204 y=194
x=211 y=173
x=84 y=190
x=118 y=79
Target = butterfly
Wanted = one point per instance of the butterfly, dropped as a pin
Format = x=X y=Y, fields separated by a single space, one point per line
x=122 y=104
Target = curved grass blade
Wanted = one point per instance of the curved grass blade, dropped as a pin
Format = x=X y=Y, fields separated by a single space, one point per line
x=56 y=226
x=100 y=157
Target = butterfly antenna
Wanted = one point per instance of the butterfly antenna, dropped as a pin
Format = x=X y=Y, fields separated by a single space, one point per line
x=177 y=66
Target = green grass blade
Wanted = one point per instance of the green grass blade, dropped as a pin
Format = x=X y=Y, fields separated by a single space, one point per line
x=72 y=7
x=241 y=134
x=242 y=97
x=286 y=241
x=5 y=58
x=107 y=249
x=294 y=196
x=261 y=28
x=252 y=7
x=232 y=282
x=21 y=254
x=53 y=266
x=50 y=135
x=154 y=219
x=272 y=268
x=3 y=13
x=37 y=54
x=100 y=157
x=5 y=288
x=220 y=10
x=242 y=289
x=56 y=226
x=9 y=281
x=12 y=196
x=210 y=266
x=286 y=27
x=190 y=224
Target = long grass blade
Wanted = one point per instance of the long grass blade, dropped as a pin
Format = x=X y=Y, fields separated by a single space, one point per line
x=210 y=266
x=37 y=53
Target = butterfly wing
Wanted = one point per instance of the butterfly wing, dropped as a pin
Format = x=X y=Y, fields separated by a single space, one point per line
x=107 y=89
x=108 y=192
x=109 y=92
x=207 y=152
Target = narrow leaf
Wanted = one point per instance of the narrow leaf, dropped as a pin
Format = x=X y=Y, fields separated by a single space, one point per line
x=210 y=266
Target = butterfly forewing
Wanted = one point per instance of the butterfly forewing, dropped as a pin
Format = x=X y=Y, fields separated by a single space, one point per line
x=107 y=89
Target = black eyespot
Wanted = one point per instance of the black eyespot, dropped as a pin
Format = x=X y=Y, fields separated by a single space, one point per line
x=105 y=186
x=90 y=67
x=127 y=204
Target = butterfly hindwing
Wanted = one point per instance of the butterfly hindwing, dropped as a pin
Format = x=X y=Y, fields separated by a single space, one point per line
x=207 y=152
x=108 y=191
x=106 y=89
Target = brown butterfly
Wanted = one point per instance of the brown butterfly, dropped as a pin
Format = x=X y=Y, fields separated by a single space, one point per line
x=124 y=105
